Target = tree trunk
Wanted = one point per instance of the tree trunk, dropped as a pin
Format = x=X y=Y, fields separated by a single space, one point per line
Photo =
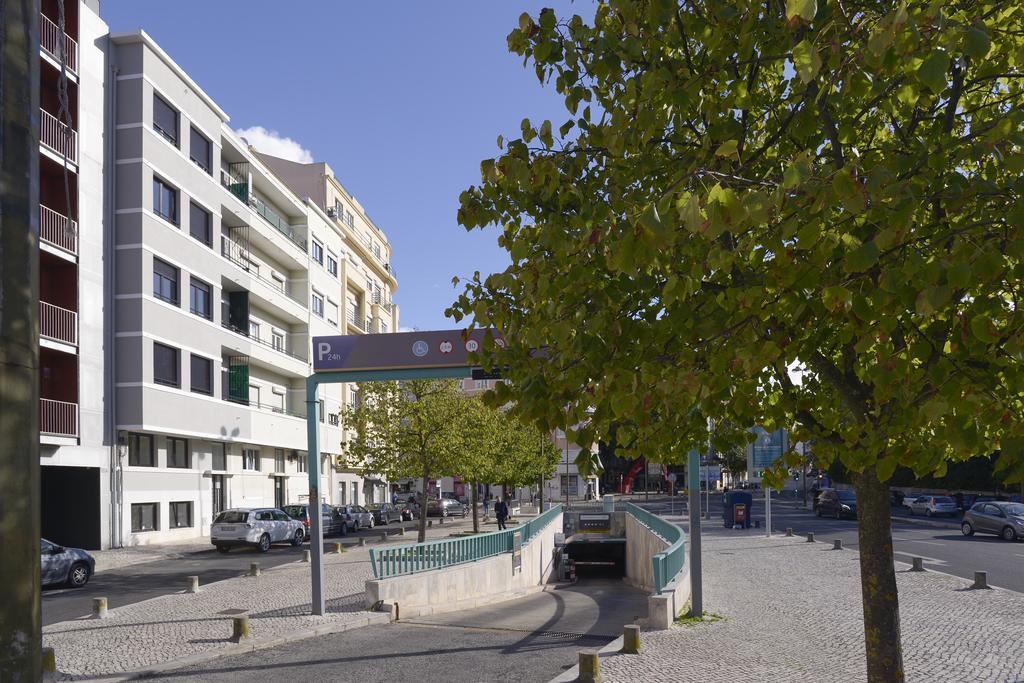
x=540 y=495
x=422 y=533
x=878 y=581
x=476 y=520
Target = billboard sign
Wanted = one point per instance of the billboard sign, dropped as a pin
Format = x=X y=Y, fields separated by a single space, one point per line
x=402 y=350
x=768 y=447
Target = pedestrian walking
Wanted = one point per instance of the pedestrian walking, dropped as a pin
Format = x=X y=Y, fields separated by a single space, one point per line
x=487 y=505
x=501 y=512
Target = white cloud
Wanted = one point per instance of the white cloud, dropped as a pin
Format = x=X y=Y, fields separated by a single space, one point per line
x=271 y=142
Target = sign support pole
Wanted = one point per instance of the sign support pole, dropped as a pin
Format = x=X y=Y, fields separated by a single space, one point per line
x=768 y=511
x=316 y=537
x=696 y=584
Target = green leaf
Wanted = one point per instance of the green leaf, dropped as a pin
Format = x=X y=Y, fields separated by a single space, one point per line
x=805 y=9
x=545 y=133
x=651 y=220
x=689 y=212
x=806 y=60
x=976 y=42
x=727 y=149
x=983 y=328
x=862 y=258
x=525 y=22
x=932 y=72
x=542 y=51
x=959 y=274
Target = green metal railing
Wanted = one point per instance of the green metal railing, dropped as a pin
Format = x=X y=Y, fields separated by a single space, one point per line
x=668 y=562
x=422 y=557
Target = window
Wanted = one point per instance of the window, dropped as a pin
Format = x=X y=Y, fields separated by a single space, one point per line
x=279 y=460
x=350 y=219
x=383 y=327
x=165 y=201
x=165 y=281
x=332 y=312
x=199 y=298
x=318 y=252
x=277 y=340
x=177 y=453
x=300 y=461
x=181 y=515
x=339 y=210
x=254 y=395
x=140 y=450
x=332 y=265
x=165 y=120
x=165 y=365
x=199 y=224
x=202 y=375
x=199 y=149
x=278 y=282
x=318 y=305
x=251 y=459
x=254 y=329
x=333 y=419
x=321 y=409
x=220 y=456
x=278 y=398
x=145 y=517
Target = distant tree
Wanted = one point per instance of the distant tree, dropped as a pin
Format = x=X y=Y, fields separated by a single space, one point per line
x=407 y=429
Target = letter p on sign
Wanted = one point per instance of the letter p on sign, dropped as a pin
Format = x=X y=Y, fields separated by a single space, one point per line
x=322 y=349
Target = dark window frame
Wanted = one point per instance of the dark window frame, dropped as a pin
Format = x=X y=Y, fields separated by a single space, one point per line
x=159 y=278
x=197 y=285
x=135 y=451
x=319 y=313
x=193 y=134
x=175 y=138
x=332 y=265
x=172 y=461
x=222 y=457
x=207 y=235
x=173 y=514
x=174 y=197
x=139 y=527
x=198 y=389
x=176 y=382
x=317 y=252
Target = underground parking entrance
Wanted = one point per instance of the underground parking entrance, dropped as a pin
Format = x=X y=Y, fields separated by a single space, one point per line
x=593 y=546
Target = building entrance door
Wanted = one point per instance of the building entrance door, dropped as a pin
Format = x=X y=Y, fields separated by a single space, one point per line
x=279 y=492
x=219 y=499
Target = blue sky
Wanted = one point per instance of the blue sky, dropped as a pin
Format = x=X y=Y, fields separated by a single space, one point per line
x=402 y=99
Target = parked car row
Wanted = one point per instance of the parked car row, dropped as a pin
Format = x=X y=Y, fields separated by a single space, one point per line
x=1004 y=519
x=931 y=506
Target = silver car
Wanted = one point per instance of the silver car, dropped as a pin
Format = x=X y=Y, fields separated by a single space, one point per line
x=58 y=564
x=995 y=517
x=933 y=505
x=357 y=517
x=259 y=527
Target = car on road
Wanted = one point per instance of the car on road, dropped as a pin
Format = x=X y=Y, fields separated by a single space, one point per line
x=933 y=505
x=333 y=522
x=356 y=516
x=258 y=527
x=445 y=507
x=817 y=493
x=837 y=503
x=59 y=564
x=1003 y=519
x=384 y=513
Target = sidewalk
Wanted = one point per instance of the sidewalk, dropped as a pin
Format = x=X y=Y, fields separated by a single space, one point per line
x=791 y=611
x=116 y=558
x=178 y=629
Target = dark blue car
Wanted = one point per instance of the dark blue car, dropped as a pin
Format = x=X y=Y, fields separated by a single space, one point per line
x=70 y=566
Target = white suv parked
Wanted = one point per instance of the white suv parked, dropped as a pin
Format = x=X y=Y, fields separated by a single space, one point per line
x=257 y=527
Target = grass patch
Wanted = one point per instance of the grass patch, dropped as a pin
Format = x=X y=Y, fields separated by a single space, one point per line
x=708 y=618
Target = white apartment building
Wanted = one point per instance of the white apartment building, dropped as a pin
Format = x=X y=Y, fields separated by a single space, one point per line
x=225 y=268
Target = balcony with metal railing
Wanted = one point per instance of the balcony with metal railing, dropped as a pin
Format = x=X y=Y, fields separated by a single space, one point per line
x=380 y=300
x=58 y=324
x=50 y=39
x=293 y=345
x=58 y=418
x=56 y=230
x=58 y=136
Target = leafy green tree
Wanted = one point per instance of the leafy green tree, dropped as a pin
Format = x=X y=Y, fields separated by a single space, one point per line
x=798 y=213
x=407 y=429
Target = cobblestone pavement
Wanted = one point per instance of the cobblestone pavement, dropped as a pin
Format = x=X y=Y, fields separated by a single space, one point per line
x=791 y=612
x=115 y=558
x=180 y=625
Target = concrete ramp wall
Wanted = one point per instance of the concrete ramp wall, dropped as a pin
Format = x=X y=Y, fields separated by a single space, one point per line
x=470 y=584
x=641 y=545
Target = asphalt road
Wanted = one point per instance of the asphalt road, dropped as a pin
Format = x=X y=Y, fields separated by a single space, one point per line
x=942 y=549
x=143 y=581
x=528 y=640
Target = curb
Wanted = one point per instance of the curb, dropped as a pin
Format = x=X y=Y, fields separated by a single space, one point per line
x=240 y=648
x=570 y=675
x=927 y=522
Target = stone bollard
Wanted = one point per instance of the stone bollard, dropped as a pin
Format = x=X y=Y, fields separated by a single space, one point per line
x=430 y=523
x=631 y=639
x=383 y=536
x=837 y=544
x=338 y=548
x=980 y=580
x=254 y=569
x=440 y=520
x=757 y=524
x=362 y=542
x=810 y=537
x=401 y=531
x=918 y=564
x=99 y=608
x=590 y=670
x=193 y=584
x=240 y=628
x=789 y=531
x=305 y=556
x=49 y=661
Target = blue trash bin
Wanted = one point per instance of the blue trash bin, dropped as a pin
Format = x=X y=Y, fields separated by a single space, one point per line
x=731 y=500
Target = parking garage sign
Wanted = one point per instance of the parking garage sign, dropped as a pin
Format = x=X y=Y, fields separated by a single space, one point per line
x=402 y=350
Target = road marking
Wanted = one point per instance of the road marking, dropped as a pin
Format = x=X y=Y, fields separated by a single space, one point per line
x=910 y=540
x=929 y=560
